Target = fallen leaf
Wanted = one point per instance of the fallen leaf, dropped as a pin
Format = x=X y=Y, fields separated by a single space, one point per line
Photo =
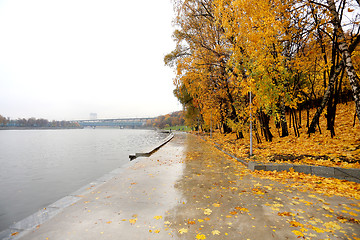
x=296 y=224
x=207 y=211
x=298 y=233
x=183 y=230
x=332 y=225
x=133 y=221
x=242 y=209
x=285 y=214
x=200 y=236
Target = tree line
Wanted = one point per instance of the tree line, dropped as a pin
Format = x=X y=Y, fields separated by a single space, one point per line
x=168 y=120
x=291 y=55
x=35 y=123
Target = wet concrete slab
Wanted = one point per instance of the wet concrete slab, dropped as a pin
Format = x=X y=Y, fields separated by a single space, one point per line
x=190 y=190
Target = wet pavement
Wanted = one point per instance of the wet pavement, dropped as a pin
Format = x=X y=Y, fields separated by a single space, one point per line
x=190 y=190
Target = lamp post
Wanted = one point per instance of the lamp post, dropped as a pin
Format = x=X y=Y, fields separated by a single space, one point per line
x=211 y=125
x=251 y=142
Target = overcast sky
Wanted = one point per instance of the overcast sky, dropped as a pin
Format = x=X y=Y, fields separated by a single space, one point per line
x=63 y=59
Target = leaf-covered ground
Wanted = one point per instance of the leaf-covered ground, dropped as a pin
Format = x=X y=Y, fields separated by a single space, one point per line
x=317 y=149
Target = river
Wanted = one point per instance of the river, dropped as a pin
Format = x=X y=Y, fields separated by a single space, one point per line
x=38 y=167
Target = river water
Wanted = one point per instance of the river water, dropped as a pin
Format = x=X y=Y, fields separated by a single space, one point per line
x=38 y=167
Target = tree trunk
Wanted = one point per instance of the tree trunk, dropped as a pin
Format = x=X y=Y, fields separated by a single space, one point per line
x=344 y=50
x=354 y=119
x=264 y=122
x=325 y=100
x=307 y=116
x=284 y=128
x=294 y=122
x=226 y=128
x=256 y=132
x=334 y=100
x=233 y=113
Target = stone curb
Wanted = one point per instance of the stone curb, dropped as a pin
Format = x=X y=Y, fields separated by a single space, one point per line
x=349 y=174
x=151 y=151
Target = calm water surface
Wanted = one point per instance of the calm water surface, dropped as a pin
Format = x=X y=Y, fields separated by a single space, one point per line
x=38 y=167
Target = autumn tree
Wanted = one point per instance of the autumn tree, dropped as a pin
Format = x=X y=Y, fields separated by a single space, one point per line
x=288 y=54
x=3 y=121
x=339 y=59
x=200 y=59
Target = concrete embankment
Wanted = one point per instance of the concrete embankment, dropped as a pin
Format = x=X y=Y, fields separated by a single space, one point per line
x=151 y=150
x=22 y=227
x=190 y=190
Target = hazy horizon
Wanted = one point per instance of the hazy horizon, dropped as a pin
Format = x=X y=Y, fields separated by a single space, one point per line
x=62 y=60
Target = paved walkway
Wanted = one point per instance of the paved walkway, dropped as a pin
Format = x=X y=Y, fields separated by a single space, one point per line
x=190 y=190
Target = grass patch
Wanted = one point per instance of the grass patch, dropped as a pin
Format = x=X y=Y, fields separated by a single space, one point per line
x=179 y=128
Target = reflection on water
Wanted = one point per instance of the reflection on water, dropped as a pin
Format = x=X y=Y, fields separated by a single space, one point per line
x=37 y=167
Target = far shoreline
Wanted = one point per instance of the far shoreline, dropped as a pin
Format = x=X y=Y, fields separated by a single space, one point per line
x=38 y=128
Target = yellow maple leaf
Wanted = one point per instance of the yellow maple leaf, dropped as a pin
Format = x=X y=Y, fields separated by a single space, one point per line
x=207 y=211
x=285 y=214
x=298 y=233
x=242 y=209
x=158 y=217
x=332 y=225
x=200 y=236
x=216 y=204
x=183 y=230
x=296 y=224
x=133 y=221
x=215 y=232
x=353 y=214
x=319 y=230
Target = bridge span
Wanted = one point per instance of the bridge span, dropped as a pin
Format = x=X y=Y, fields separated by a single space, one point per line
x=115 y=122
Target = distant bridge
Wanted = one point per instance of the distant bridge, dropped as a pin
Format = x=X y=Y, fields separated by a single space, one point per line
x=115 y=122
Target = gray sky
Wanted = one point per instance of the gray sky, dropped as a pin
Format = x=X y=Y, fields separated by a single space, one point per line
x=62 y=59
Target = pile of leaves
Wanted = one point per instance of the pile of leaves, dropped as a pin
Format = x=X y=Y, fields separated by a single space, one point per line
x=318 y=149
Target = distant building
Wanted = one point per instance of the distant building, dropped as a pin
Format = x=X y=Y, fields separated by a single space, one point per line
x=93 y=116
